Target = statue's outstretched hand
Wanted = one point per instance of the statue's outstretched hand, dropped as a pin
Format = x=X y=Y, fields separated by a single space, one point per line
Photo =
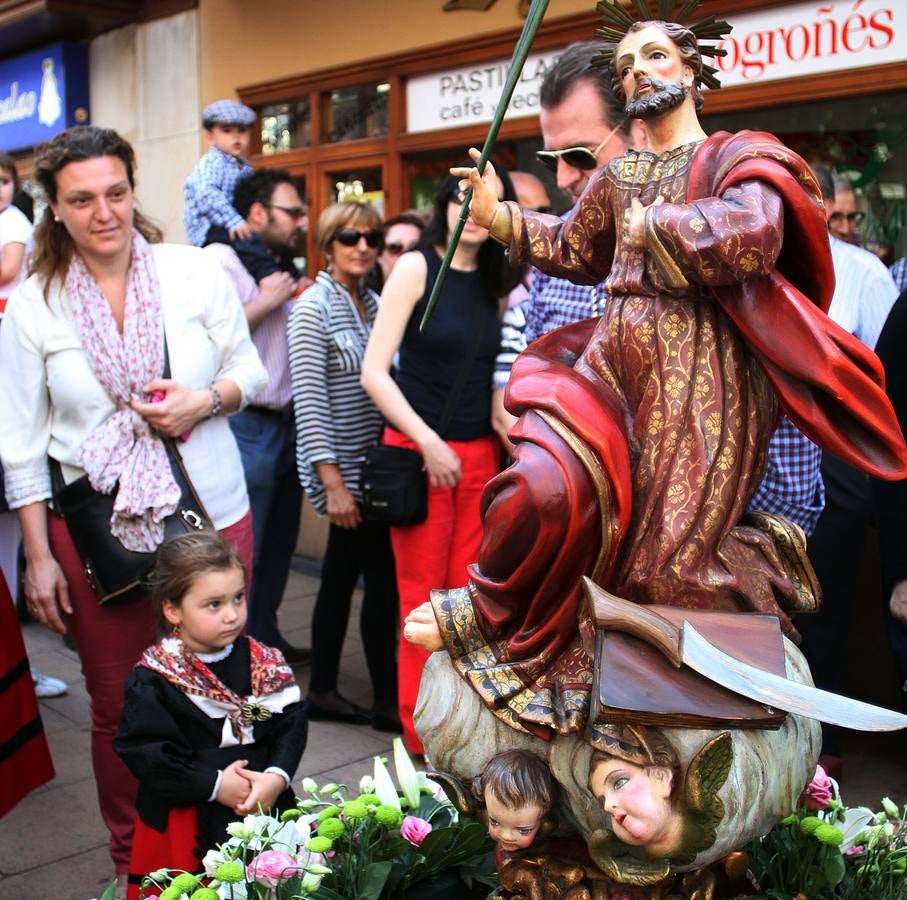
x=421 y=628
x=484 y=189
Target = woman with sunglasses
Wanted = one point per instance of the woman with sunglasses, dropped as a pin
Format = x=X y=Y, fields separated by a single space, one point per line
x=455 y=355
x=336 y=422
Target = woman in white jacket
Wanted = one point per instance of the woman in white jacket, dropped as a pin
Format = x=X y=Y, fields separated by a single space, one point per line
x=82 y=352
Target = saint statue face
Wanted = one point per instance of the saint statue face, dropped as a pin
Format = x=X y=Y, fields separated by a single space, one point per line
x=638 y=800
x=512 y=829
x=652 y=73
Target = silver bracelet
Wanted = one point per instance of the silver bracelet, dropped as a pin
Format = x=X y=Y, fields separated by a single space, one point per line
x=217 y=406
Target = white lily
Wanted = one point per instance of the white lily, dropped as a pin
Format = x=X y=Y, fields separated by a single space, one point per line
x=406 y=775
x=384 y=786
x=854 y=824
x=366 y=784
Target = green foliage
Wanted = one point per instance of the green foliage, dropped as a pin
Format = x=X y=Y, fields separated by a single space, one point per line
x=834 y=854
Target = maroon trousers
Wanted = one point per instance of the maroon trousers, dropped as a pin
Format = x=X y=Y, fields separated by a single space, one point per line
x=109 y=640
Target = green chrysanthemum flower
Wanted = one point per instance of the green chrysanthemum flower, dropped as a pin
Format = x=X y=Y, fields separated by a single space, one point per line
x=389 y=816
x=789 y=820
x=184 y=883
x=290 y=815
x=355 y=810
x=204 y=893
x=329 y=812
x=229 y=873
x=809 y=824
x=171 y=893
x=369 y=799
x=319 y=845
x=828 y=834
x=331 y=828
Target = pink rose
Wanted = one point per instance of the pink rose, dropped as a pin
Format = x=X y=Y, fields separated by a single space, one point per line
x=271 y=867
x=819 y=792
x=414 y=830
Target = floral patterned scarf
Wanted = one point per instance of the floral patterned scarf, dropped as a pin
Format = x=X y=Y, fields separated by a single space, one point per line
x=273 y=686
x=123 y=449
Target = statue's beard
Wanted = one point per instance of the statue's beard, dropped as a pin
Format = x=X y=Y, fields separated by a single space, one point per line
x=664 y=96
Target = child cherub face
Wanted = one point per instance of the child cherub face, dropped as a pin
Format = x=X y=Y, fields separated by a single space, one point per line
x=638 y=801
x=512 y=829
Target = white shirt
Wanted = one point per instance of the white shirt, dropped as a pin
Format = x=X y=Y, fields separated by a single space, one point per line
x=15 y=229
x=52 y=400
x=864 y=291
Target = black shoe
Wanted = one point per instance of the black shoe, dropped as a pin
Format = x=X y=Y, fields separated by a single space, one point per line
x=341 y=710
x=382 y=722
x=297 y=656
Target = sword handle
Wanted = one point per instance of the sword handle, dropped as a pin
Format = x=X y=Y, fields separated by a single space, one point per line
x=614 y=614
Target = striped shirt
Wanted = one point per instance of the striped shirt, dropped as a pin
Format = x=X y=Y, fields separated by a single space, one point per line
x=336 y=421
x=269 y=335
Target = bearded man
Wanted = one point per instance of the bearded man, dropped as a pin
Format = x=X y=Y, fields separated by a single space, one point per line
x=642 y=435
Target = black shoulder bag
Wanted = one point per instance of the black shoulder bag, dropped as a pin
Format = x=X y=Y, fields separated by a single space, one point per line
x=115 y=573
x=394 y=482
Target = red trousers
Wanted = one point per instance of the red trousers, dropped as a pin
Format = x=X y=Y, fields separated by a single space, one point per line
x=109 y=640
x=435 y=554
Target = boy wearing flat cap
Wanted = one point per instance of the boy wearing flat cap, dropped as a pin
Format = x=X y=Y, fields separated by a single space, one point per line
x=209 y=216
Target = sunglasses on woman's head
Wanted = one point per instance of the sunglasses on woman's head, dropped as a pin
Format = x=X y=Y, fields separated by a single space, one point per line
x=349 y=237
x=578 y=157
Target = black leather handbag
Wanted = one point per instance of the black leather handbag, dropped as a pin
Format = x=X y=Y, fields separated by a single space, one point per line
x=115 y=573
x=394 y=486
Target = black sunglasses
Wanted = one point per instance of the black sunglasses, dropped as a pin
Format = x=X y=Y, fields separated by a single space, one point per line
x=395 y=248
x=853 y=217
x=349 y=237
x=294 y=212
x=578 y=157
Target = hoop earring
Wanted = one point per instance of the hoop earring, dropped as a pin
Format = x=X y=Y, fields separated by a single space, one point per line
x=175 y=630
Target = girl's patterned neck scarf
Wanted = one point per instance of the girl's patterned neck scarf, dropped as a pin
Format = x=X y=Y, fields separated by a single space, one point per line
x=123 y=449
x=273 y=686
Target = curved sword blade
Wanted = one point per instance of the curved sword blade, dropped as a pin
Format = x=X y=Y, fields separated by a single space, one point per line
x=805 y=700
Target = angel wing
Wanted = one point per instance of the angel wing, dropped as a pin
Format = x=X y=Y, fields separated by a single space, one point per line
x=610 y=855
x=459 y=794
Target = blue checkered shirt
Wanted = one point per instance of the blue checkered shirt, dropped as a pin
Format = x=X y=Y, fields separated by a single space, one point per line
x=792 y=485
x=208 y=193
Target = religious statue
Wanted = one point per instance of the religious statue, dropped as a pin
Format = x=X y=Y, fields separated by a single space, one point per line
x=641 y=437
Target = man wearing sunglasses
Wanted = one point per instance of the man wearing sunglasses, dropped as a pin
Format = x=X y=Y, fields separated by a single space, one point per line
x=863 y=296
x=583 y=127
x=276 y=216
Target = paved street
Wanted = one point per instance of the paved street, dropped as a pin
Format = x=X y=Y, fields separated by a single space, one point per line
x=53 y=845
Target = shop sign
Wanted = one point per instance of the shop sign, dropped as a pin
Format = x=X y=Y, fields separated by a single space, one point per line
x=41 y=94
x=469 y=95
x=811 y=38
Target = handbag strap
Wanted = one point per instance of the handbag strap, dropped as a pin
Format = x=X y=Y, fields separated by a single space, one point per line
x=463 y=371
x=177 y=466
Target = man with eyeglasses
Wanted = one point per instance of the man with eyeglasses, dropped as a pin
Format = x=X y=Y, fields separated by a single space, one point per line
x=583 y=127
x=863 y=296
x=267 y=280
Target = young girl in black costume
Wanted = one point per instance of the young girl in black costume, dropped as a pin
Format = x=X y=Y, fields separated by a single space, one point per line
x=214 y=724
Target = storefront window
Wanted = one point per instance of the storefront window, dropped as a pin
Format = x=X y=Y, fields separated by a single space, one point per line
x=864 y=138
x=357 y=112
x=285 y=126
